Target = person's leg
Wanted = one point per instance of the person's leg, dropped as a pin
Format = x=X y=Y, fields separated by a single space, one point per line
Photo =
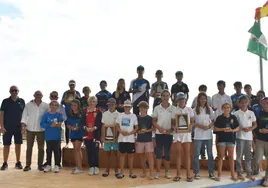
x=75 y=159
x=248 y=146
x=18 y=142
x=78 y=154
x=30 y=136
x=67 y=134
x=203 y=151
x=123 y=150
x=208 y=144
x=130 y=153
x=150 y=158
x=40 y=144
x=49 y=151
x=240 y=145
x=143 y=165
x=167 y=147
x=108 y=156
x=197 y=147
x=7 y=142
x=178 y=163
x=259 y=152
x=56 y=152
x=116 y=162
x=187 y=153
x=221 y=154
x=231 y=160
x=217 y=147
x=89 y=152
x=96 y=154
x=159 y=150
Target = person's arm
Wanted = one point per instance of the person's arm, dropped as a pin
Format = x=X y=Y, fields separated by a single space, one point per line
x=102 y=132
x=62 y=99
x=24 y=116
x=152 y=93
x=44 y=124
x=173 y=98
x=217 y=129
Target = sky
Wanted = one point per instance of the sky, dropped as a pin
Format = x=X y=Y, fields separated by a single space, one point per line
x=45 y=43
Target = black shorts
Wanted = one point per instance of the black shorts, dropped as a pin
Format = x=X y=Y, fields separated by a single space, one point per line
x=7 y=137
x=126 y=147
x=77 y=139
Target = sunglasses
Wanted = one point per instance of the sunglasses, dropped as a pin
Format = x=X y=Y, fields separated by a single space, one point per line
x=53 y=96
x=14 y=90
x=38 y=94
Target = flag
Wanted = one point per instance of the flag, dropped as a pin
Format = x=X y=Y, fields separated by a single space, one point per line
x=261 y=11
x=257 y=43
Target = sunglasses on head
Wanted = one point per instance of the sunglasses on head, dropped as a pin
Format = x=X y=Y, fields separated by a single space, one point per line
x=14 y=90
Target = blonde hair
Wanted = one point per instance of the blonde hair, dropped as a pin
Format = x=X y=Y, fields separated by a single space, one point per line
x=117 y=89
x=225 y=104
x=92 y=98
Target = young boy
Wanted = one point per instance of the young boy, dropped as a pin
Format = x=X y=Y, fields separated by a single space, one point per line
x=234 y=97
x=127 y=126
x=262 y=140
x=103 y=97
x=157 y=88
x=144 y=144
x=179 y=86
x=108 y=119
x=247 y=123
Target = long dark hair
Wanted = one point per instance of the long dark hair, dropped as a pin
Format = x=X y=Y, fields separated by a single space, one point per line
x=71 y=114
x=197 y=108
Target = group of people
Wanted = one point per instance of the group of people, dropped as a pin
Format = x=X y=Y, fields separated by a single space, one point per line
x=239 y=120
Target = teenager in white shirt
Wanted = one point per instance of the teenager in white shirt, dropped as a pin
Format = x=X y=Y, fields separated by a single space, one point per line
x=109 y=119
x=31 y=118
x=163 y=119
x=183 y=138
x=247 y=123
x=203 y=118
x=127 y=126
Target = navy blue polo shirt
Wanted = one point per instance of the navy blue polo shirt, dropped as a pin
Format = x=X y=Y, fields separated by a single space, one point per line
x=12 y=113
x=122 y=97
x=176 y=88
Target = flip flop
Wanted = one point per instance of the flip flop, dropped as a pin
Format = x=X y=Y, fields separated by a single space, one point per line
x=116 y=174
x=177 y=178
x=105 y=174
x=234 y=178
x=240 y=177
x=217 y=179
x=120 y=176
x=132 y=176
x=189 y=179
x=251 y=178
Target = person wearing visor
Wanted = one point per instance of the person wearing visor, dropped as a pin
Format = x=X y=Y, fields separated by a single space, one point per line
x=103 y=97
x=140 y=89
x=67 y=98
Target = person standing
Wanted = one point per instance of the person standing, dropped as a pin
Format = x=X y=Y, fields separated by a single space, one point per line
x=179 y=86
x=10 y=118
x=31 y=118
x=140 y=88
x=202 y=88
x=157 y=88
x=67 y=98
x=120 y=95
x=252 y=98
x=83 y=100
x=103 y=95
x=238 y=93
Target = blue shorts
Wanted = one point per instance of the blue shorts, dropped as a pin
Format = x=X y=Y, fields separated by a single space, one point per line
x=7 y=137
x=109 y=146
x=226 y=144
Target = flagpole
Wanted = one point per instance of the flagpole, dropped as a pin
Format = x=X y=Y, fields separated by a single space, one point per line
x=261 y=65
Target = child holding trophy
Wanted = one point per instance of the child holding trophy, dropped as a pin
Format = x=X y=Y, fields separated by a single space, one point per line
x=109 y=135
x=226 y=126
x=144 y=144
x=76 y=134
x=183 y=138
x=51 y=122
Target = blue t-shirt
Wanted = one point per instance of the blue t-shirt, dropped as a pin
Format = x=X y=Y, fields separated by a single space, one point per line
x=103 y=97
x=75 y=121
x=234 y=98
x=51 y=133
x=257 y=109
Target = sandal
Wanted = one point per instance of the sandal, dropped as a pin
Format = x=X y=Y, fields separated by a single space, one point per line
x=116 y=174
x=177 y=178
x=217 y=179
x=105 y=174
x=240 y=177
x=234 y=178
x=120 y=176
x=189 y=179
x=250 y=177
x=132 y=176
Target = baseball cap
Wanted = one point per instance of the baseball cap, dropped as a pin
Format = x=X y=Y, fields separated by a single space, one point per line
x=159 y=72
x=111 y=101
x=181 y=95
x=140 y=67
x=127 y=103
x=72 y=82
x=242 y=97
x=179 y=73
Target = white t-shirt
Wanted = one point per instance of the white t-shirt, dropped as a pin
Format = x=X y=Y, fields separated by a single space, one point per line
x=127 y=123
x=164 y=116
x=109 y=118
x=204 y=119
x=218 y=100
x=245 y=119
x=195 y=101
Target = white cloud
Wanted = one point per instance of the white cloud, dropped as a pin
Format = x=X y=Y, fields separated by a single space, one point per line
x=55 y=41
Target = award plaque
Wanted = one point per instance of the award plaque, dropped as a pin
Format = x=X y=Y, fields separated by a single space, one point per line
x=110 y=133
x=69 y=96
x=142 y=129
x=182 y=123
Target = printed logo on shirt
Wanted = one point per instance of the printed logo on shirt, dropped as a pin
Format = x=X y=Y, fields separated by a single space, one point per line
x=232 y=121
x=125 y=122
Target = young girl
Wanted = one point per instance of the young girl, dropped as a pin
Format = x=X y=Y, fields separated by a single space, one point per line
x=163 y=119
x=91 y=120
x=203 y=118
x=247 y=123
x=109 y=119
x=144 y=144
x=262 y=140
x=51 y=122
x=183 y=140
x=120 y=95
x=226 y=126
x=76 y=134
x=127 y=126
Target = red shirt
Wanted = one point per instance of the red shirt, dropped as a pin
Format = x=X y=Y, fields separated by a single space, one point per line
x=90 y=122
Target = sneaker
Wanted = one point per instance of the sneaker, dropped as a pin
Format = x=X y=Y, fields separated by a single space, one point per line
x=96 y=171
x=203 y=157
x=18 y=165
x=91 y=171
x=211 y=176
x=56 y=169
x=265 y=183
x=4 y=166
x=77 y=171
x=41 y=168
x=47 y=168
x=197 y=176
x=26 y=168
x=168 y=175
x=157 y=176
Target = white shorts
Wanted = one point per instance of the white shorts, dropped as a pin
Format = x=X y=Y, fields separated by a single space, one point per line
x=182 y=137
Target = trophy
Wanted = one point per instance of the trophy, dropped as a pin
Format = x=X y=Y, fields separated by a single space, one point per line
x=182 y=123
x=75 y=127
x=69 y=96
x=142 y=129
x=110 y=133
